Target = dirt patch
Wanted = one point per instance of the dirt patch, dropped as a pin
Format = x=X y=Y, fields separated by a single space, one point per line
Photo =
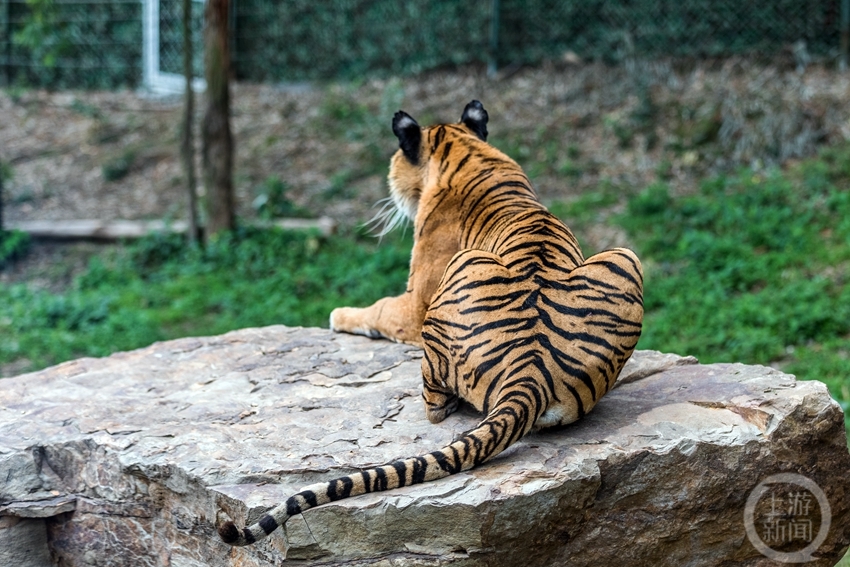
x=114 y=155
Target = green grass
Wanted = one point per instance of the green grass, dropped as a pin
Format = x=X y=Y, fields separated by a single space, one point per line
x=160 y=288
x=13 y=245
x=753 y=268
x=588 y=209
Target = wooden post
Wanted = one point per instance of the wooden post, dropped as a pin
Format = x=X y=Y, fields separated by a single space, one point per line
x=187 y=146
x=217 y=137
x=1 y=199
x=7 y=44
x=493 y=57
x=845 y=35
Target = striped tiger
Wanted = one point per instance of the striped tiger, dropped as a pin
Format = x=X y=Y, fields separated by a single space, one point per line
x=511 y=317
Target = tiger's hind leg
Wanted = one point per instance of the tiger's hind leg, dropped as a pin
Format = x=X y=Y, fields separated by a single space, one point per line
x=451 y=332
x=614 y=292
x=617 y=275
x=438 y=391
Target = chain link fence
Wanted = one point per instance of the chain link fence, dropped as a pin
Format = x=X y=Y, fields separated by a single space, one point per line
x=612 y=30
x=57 y=44
x=99 y=43
x=301 y=39
x=171 y=36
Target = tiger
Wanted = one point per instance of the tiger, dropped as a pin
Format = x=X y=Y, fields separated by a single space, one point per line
x=511 y=317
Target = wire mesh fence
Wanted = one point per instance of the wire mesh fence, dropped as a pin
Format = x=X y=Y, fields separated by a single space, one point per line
x=171 y=36
x=310 y=40
x=608 y=30
x=99 y=43
x=55 y=43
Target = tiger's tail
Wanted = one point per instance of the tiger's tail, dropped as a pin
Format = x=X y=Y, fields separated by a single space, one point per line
x=509 y=420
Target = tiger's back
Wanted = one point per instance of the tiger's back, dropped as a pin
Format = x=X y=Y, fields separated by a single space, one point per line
x=521 y=324
x=561 y=348
x=511 y=316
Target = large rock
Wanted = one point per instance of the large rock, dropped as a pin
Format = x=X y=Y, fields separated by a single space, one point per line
x=130 y=460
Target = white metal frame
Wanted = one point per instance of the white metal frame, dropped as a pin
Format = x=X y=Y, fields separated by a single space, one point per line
x=154 y=79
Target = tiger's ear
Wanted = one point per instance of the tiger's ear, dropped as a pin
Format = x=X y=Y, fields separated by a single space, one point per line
x=409 y=135
x=475 y=118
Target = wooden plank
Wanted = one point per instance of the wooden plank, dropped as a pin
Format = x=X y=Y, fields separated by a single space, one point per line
x=92 y=229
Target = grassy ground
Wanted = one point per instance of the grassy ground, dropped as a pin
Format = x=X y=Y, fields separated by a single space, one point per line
x=160 y=288
x=755 y=267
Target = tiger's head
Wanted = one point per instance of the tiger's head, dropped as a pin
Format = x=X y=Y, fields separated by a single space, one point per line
x=410 y=167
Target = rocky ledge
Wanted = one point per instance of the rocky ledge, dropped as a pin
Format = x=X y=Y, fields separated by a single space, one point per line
x=132 y=459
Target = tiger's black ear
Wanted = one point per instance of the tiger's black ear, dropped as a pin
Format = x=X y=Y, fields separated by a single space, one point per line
x=409 y=135
x=475 y=118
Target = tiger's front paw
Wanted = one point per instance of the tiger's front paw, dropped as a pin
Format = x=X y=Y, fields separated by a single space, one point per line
x=350 y=320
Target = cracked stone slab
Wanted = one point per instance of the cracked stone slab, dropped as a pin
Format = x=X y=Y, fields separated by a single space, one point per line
x=130 y=459
x=45 y=508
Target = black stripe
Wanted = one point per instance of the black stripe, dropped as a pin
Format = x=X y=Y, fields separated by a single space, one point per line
x=401 y=472
x=481 y=226
x=334 y=492
x=575 y=369
x=458 y=167
x=473 y=183
x=446 y=149
x=467 y=352
x=483 y=369
x=488 y=191
x=454 y=301
x=438 y=137
x=249 y=537
x=491 y=387
x=528 y=389
x=460 y=457
x=606 y=360
x=488 y=308
x=630 y=259
x=522 y=324
x=574 y=392
x=293 y=508
x=442 y=460
x=268 y=524
x=494 y=281
x=420 y=467
x=367 y=481
x=447 y=323
x=310 y=497
x=615 y=269
x=380 y=480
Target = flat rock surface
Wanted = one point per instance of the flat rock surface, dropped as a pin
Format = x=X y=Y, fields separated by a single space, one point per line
x=154 y=446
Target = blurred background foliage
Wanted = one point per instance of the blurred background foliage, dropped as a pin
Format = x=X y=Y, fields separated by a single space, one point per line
x=98 y=43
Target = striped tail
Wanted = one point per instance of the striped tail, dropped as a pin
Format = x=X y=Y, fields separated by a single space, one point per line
x=506 y=424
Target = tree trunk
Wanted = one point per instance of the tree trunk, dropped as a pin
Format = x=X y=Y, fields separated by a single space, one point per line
x=217 y=138
x=187 y=146
x=1 y=199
